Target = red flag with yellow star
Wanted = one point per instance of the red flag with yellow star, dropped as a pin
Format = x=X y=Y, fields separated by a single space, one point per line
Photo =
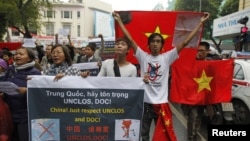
x=201 y=82
x=164 y=130
x=173 y=26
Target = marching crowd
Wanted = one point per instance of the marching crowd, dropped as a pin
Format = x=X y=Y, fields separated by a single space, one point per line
x=57 y=59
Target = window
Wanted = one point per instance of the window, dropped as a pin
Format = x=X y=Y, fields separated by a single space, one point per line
x=50 y=29
x=49 y=14
x=66 y=14
x=78 y=14
x=78 y=30
x=15 y=32
x=238 y=72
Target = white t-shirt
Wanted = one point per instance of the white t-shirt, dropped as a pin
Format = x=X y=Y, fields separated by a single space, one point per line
x=107 y=69
x=156 y=92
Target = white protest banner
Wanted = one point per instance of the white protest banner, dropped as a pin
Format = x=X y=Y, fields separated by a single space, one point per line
x=92 y=108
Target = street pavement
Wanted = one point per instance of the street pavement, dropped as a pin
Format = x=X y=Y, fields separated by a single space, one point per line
x=180 y=125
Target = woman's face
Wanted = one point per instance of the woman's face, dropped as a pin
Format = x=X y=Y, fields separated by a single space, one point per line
x=22 y=57
x=58 y=55
x=121 y=48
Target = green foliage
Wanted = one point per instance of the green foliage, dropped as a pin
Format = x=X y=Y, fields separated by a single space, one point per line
x=230 y=6
x=21 y=14
x=211 y=6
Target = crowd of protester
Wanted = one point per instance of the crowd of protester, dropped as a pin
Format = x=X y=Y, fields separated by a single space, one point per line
x=57 y=59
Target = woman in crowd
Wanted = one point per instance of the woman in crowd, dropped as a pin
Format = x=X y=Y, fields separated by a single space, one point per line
x=17 y=73
x=62 y=63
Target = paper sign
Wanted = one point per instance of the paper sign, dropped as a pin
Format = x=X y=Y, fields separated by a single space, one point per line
x=8 y=88
x=63 y=32
x=29 y=42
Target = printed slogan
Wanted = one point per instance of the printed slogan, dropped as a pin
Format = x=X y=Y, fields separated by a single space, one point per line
x=86 y=109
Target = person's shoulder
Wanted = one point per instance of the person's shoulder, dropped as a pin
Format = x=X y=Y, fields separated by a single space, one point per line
x=131 y=66
x=108 y=60
x=35 y=71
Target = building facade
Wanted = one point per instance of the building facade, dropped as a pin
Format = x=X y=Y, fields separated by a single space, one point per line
x=243 y=4
x=228 y=27
x=77 y=18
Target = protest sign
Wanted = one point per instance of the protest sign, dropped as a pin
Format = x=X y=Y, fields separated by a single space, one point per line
x=94 y=108
x=8 y=88
x=91 y=67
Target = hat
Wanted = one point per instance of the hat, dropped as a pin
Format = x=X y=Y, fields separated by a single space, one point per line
x=3 y=64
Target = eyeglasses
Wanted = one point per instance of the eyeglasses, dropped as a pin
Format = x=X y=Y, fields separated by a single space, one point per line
x=56 y=52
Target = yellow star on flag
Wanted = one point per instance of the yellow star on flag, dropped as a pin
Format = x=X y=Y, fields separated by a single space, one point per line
x=203 y=82
x=167 y=122
x=163 y=113
x=157 y=30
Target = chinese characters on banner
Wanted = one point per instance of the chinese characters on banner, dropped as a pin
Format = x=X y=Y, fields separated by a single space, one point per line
x=93 y=108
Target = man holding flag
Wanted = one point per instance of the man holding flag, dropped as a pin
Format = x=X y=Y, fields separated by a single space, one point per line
x=155 y=68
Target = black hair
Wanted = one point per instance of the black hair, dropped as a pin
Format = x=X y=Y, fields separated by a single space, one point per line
x=92 y=46
x=125 y=39
x=71 y=51
x=205 y=44
x=66 y=52
x=40 y=52
x=153 y=35
x=6 y=52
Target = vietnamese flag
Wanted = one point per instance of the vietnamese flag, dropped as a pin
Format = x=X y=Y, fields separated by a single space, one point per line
x=174 y=26
x=201 y=82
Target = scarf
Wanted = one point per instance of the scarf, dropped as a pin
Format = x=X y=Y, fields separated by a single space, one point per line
x=24 y=66
x=55 y=69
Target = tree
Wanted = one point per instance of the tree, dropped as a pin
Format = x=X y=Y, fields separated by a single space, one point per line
x=229 y=7
x=21 y=15
x=211 y=6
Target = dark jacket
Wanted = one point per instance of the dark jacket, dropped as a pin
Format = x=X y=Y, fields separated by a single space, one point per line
x=18 y=103
x=85 y=59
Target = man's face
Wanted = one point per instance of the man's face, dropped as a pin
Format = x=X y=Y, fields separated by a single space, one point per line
x=202 y=53
x=48 y=50
x=155 y=46
x=83 y=51
x=89 y=52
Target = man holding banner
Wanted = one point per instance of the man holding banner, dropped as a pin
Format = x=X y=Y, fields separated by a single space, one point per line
x=155 y=67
